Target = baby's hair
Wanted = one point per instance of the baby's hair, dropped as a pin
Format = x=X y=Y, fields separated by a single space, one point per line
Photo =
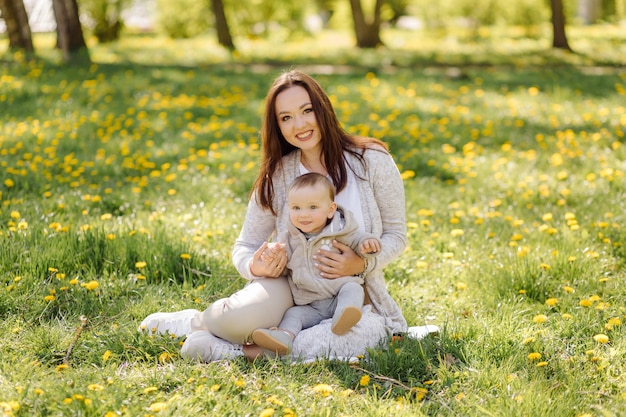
x=311 y=179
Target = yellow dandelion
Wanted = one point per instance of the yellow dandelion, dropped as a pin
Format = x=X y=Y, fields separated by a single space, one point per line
x=540 y=318
x=533 y=356
x=49 y=298
x=148 y=390
x=323 y=389
x=106 y=355
x=346 y=392
x=568 y=289
x=457 y=232
x=541 y=364
x=601 y=338
x=9 y=183
x=95 y=387
x=61 y=367
x=420 y=393
x=39 y=391
x=91 y=285
x=551 y=302
x=157 y=407
x=585 y=303
x=106 y=216
x=140 y=264
x=185 y=256
x=364 y=381
x=407 y=174
x=566 y=316
x=240 y=383
x=15 y=214
x=165 y=357
x=461 y=286
x=273 y=399
x=612 y=323
x=8 y=407
x=267 y=412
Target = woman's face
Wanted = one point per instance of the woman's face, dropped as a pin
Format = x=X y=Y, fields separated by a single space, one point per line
x=296 y=118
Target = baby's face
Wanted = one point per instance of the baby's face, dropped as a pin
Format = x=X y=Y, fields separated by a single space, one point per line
x=310 y=207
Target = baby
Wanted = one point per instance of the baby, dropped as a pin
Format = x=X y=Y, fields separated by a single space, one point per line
x=315 y=221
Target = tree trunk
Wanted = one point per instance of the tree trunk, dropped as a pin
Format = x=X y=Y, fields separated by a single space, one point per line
x=559 y=39
x=69 y=30
x=367 y=32
x=16 y=20
x=589 y=11
x=221 y=25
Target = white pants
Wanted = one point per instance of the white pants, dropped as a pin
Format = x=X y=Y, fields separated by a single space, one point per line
x=260 y=304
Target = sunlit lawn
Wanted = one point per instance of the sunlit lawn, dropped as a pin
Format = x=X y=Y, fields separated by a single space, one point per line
x=123 y=188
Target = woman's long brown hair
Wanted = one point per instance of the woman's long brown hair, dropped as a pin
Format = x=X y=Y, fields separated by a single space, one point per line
x=335 y=140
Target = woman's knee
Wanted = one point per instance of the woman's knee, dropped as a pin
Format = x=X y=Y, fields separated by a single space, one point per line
x=261 y=303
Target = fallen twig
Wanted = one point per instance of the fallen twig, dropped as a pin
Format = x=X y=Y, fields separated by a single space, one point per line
x=79 y=330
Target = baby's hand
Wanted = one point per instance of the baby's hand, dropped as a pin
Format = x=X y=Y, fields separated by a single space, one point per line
x=370 y=246
x=270 y=252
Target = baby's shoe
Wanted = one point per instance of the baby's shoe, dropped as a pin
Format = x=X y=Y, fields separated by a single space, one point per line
x=273 y=340
x=343 y=322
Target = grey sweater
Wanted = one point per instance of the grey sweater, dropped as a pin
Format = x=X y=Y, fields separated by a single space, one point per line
x=383 y=205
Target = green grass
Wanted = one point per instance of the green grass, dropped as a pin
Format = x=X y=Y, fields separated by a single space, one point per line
x=123 y=186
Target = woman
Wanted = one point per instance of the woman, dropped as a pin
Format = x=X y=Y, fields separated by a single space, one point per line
x=301 y=133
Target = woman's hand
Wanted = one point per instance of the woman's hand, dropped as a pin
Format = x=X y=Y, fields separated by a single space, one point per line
x=269 y=260
x=334 y=265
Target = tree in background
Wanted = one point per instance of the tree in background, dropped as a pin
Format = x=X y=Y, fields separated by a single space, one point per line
x=106 y=16
x=367 y=31
x=16 y=19
x=559 y=39
x=69 y=30
x=221 y=25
